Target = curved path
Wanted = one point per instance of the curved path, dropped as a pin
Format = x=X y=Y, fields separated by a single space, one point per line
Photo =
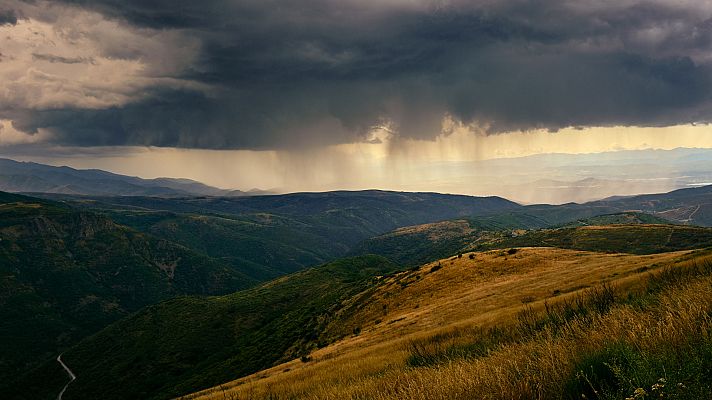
x=72 y=377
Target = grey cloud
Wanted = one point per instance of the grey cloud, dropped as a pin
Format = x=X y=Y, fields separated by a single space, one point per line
x=303 y=73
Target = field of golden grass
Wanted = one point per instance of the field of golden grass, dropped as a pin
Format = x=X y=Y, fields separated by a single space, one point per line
x=459 y=302
x=437 y=230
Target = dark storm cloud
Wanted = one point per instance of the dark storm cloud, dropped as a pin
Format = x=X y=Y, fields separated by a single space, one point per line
x=310 y=72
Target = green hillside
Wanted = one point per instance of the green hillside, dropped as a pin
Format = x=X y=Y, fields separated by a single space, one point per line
x=627 y=218
x=417 y=245
x=269 y=236
x=380 y=208
x=688 y=206
x=161 y=351
x=635 y=239
x=641 y=234
x=261 y=246
x=542 y=323
x=70 y=268
x=65 y=274
x=190 y=343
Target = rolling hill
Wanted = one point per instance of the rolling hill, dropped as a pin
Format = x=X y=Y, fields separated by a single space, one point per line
x=691 y=206
x=72 y=265
x=269 y=236
x=539 y=323
x=65 y=273
x=185 y=343
x=634 y=239
x=70 y=268
x=190 y=343
x=417 y=244
x=28 y=177
x=631 y=232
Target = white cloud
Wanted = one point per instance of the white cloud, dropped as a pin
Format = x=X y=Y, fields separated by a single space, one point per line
x=79 y=59
x=10 y=136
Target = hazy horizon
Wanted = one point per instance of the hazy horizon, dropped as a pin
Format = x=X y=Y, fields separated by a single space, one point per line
x=552 y=178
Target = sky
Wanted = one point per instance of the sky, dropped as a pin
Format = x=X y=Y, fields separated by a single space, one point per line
x=349 y=94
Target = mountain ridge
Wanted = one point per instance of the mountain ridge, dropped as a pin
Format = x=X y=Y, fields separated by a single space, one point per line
x=31 y=177
x=66 y=273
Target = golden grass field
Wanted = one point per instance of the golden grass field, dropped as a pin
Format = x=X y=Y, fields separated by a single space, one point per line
x=437 y=230
x=459 y=302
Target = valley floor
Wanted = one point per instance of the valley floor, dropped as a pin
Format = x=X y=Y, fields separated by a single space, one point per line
x=508 y=324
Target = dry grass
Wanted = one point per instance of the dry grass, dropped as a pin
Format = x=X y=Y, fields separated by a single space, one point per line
x=458 y=304
x=482 y=291
x=437 y=230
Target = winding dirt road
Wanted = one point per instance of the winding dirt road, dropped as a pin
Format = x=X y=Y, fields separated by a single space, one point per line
x=72 y=377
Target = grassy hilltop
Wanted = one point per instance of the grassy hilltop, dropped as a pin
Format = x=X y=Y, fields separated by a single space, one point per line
x=533 y=323
x=629 y=232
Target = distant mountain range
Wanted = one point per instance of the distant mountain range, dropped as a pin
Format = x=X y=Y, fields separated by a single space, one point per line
x=538 y=179
x=562 y=178
x=29 y=177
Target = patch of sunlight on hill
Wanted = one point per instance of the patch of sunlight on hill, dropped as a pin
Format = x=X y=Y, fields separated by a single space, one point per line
x=459 y=301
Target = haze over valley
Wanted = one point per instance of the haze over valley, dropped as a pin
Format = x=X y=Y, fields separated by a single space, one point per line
x=545 y=178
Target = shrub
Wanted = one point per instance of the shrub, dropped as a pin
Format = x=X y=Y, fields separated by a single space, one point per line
x=596 y=374
x=528 y=299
